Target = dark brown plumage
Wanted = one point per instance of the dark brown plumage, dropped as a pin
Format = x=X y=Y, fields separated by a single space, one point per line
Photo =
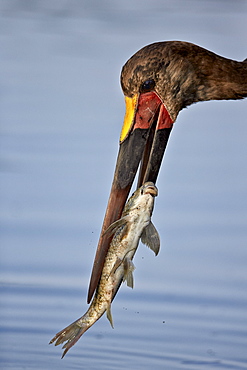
x=184 y=73
x=158 y=81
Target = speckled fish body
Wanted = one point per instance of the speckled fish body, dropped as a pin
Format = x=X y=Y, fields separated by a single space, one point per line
x=135 y=224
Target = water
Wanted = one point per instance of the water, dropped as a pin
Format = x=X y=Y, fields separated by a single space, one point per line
x=61 y=107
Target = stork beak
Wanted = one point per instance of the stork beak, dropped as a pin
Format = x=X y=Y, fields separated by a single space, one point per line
x=145 y=133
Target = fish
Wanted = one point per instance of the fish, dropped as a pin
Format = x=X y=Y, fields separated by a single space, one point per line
x=134 y=224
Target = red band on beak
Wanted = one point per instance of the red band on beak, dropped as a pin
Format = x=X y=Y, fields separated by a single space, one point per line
x=164 y=120
x=148 y=104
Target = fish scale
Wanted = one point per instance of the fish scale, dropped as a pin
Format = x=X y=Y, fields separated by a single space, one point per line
x=135 y=224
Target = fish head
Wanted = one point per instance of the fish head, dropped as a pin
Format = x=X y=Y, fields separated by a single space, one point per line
x=148 y=188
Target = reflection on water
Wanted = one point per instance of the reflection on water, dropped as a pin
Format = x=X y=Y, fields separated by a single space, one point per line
x=61 y=107
x=150 y=330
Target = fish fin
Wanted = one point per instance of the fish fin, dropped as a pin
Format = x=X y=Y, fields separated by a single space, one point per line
x=116 y=225
x=116 y=265
x=71 y=334
x=109 y=315
x=129 y=267
x=151 y=238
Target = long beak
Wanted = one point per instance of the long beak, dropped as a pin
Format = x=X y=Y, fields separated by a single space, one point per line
x=145 y=133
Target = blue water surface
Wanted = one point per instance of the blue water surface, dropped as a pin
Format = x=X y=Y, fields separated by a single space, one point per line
x=61 y=113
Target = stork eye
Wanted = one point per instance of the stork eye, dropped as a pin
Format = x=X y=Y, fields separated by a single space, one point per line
x=148 y=85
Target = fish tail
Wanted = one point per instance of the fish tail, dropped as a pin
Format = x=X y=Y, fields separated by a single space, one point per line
x=71 y=334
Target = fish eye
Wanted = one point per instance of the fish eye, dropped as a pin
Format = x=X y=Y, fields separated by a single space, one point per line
x=147 y=85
